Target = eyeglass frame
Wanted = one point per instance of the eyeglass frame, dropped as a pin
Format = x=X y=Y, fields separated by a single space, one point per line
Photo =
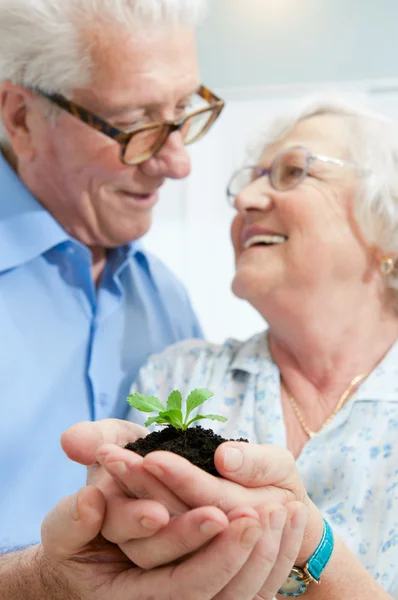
x=262 y=172
x=215 y=104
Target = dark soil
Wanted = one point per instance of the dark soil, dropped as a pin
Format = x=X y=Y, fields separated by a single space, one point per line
x=195 y=444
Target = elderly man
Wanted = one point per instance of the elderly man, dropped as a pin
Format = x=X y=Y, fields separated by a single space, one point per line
x=97 y=103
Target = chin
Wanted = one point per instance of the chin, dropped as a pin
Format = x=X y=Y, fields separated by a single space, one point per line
x=248 y=286
x=137 y=229
x=239 y=289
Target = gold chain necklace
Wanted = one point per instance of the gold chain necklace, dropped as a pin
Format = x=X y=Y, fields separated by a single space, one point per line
x=340 y=403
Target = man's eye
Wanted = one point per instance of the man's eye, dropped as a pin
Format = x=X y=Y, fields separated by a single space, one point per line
x=133 y=125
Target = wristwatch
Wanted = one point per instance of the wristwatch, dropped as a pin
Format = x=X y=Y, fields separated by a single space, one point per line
x=300 y=578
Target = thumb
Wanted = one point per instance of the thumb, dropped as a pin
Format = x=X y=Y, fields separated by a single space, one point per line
x=73 y=523
x=82 y=441
x=259 y=465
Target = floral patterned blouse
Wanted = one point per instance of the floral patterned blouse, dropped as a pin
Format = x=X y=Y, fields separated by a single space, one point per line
x=350 y=468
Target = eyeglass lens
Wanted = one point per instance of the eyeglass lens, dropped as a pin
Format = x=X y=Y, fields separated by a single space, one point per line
x=287 y=170
x=143 y=144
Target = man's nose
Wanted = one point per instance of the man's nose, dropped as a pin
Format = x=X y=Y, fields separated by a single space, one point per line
x=171 y=161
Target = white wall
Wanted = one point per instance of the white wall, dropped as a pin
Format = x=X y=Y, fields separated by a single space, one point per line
x=267 y=42
x=191 y=224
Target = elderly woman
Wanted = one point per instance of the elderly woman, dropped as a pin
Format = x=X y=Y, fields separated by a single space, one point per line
x=316 y=241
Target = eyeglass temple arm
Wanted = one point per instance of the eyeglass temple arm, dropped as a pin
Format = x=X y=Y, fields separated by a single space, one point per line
x=207 y=95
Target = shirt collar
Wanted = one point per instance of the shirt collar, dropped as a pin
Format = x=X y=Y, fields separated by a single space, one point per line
x=382 y=383
x=27 y=229
x=254 y=356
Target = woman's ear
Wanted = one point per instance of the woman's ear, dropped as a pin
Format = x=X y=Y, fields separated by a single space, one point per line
x=16 y=106
x=385 y=262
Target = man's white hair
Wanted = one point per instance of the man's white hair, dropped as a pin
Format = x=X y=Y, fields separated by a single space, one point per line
x=41 y=45
x=372 y=143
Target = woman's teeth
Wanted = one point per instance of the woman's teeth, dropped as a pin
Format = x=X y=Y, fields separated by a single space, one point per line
x=264 y=239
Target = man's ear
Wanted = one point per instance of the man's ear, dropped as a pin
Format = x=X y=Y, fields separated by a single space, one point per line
x=16 y=104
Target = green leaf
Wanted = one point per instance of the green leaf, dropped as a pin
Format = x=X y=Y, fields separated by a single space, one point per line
x=174 y=416
x=211 y=417
x=145 y=403
x=195 y=399
x=215 y=418
x=174 y=401
x=157 y=420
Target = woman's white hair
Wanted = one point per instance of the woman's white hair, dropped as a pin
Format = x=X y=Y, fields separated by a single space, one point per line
x=41 y=42
x=372 y=143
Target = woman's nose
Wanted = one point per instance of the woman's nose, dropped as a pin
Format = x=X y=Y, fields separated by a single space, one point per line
x=255 y=196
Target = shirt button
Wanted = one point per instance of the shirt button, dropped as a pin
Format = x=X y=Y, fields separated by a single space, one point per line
x=103 y=399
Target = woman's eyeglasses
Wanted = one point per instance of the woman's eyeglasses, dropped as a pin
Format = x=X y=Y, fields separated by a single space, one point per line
x=288 y=169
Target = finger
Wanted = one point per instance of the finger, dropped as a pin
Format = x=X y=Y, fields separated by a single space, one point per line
x=126 y=468
x=184 y=534
x=81 y=441
x=208 y=571
x=245 y=585
x=73 y=523
x=254 y=465
x=292 y=538
x=129 y=519
x=195 y=487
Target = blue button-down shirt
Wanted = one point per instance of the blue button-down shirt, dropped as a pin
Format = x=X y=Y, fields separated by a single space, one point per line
x=68 y=351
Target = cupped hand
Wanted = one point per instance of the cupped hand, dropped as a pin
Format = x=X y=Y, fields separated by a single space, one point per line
x=147 y=498
x=251 y=546
x=253 y=475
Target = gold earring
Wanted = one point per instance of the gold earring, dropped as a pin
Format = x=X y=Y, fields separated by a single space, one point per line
x=386 y=265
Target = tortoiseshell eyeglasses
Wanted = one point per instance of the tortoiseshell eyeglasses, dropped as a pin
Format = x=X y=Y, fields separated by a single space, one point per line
x=140 y=144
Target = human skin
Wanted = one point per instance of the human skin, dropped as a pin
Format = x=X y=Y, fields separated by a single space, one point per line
x=74 y=170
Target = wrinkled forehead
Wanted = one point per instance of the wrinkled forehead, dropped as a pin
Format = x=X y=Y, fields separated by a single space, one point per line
x=324 y=134
x=151 y=66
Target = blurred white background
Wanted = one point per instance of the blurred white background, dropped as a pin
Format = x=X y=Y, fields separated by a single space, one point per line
x=262 y=56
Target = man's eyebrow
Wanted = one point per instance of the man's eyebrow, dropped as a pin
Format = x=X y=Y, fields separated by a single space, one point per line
x=124 y=109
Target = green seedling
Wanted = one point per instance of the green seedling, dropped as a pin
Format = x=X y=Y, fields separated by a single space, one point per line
x=172 y=413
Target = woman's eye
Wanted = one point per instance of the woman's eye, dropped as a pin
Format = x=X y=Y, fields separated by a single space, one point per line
x=293 y=172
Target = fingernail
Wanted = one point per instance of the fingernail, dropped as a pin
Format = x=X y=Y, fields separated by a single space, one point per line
x=149 y=523
x=250 y=536
x=117 y=468
x=277 y=519
x=155 y=470
x=233 y=459
x=210 y=527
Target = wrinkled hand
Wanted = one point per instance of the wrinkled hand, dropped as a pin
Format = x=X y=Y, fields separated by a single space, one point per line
x=131 y=516
x=253 y=475
x=233 y=565
x=155 y=533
